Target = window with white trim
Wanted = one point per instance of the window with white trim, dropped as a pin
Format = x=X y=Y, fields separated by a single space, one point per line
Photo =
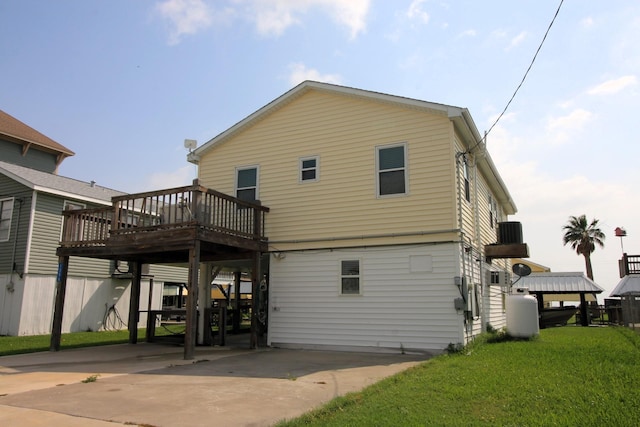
x=391 y=168
x=350 y=277
x=493 y=212
x=309 y=169
x=6 y=213
x=247 y=183
x=467 y=184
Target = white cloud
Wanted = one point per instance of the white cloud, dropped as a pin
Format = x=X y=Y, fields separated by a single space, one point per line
x=299 y=73
x=273 y=17
x=587 y=22
x=186 y=17
x=415 y=11
x=611 y=87
x=564 y=127
x=468 y=33
x=517 y=40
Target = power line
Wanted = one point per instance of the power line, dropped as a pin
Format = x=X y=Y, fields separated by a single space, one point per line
x=523 y=77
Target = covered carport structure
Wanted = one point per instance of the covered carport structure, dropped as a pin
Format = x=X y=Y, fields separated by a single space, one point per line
x=561 y=286
x=628 y=290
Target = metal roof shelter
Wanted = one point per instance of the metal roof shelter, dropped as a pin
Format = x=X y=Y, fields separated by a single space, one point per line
x=562 y=286
x=629 y=285
x=628 y=289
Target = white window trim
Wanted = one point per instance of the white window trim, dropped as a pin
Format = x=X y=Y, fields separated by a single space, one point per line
x=301 y=169
x=406 y=170
x=10 y=221
x=466 y=181
x=340 y=277
x=235 y=179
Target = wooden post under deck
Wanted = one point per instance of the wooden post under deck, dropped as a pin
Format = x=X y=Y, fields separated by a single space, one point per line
x=134 y=301
x=237 y=315
x=192 y=301
x=255 y=291
x=61 y=288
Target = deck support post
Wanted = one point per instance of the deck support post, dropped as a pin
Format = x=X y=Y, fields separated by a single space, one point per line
x=192 y=301
x=61 y=289
x=255 y=303
x=204 y=303
x=134 y=301
x=237 y=315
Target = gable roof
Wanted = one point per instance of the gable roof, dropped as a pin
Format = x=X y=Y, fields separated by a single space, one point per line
x=559 y=283
x=460 y=117
x=16 y=130
x=58 y=185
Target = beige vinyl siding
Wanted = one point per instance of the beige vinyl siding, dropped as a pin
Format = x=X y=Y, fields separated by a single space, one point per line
x=45 y=239
x=397 y=308
x=344 y=133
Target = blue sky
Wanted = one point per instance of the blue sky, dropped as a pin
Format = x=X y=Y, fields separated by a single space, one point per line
x=123 y=83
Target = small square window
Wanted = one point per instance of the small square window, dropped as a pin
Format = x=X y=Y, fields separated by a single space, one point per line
x=309 y=169
x=350 y=277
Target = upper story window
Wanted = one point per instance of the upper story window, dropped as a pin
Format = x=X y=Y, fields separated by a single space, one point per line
x=391 y=166
x=350 y=277
x=309 y=169
x=493 y=212
x=6 y=212
x=467 y=185
x=247 y=183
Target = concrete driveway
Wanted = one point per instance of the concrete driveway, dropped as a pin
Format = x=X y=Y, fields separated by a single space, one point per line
x=151 y=385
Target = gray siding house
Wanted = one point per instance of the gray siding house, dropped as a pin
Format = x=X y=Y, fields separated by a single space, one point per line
x=32 y=198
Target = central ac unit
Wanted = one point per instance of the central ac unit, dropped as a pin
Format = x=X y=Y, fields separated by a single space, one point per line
x=498 y=278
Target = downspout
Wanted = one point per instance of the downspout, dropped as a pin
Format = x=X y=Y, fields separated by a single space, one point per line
x=483 y=289
x=462 y=240
x=15 y=247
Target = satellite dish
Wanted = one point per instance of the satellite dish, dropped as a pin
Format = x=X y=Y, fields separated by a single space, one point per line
x=190 y=144
x=521 y=269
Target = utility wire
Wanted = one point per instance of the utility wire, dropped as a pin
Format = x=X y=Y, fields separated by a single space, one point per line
x=523 y=78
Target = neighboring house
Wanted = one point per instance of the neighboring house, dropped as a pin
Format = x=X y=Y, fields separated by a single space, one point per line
x=32 y=198
x=382 y=213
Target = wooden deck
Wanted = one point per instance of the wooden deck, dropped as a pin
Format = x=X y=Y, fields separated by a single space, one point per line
x=189 y=225
x=161 y=227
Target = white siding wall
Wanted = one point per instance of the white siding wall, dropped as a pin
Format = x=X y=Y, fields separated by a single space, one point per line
x=399 y=307
x=28 y=310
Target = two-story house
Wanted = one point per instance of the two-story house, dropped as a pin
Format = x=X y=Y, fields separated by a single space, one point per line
x=382 y=212
x=32 y=199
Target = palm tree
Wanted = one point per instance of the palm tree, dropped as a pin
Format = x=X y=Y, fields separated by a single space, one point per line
x=583 y=237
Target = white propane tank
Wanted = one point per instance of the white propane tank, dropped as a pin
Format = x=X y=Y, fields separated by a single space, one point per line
x=522 y=314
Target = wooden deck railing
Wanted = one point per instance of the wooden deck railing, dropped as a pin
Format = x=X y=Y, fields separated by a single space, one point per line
x=629 y=264
x=164 y=209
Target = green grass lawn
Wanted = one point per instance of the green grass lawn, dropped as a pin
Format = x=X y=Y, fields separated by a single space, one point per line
x=31 y=344
x=569 y=376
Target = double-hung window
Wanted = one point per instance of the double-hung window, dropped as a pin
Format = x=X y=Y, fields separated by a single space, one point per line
x=493 y=212
x=391 y=165
x=247 y=183
x=6 y=212
x=467 y=184
x=350 y=277
x=309 y=169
